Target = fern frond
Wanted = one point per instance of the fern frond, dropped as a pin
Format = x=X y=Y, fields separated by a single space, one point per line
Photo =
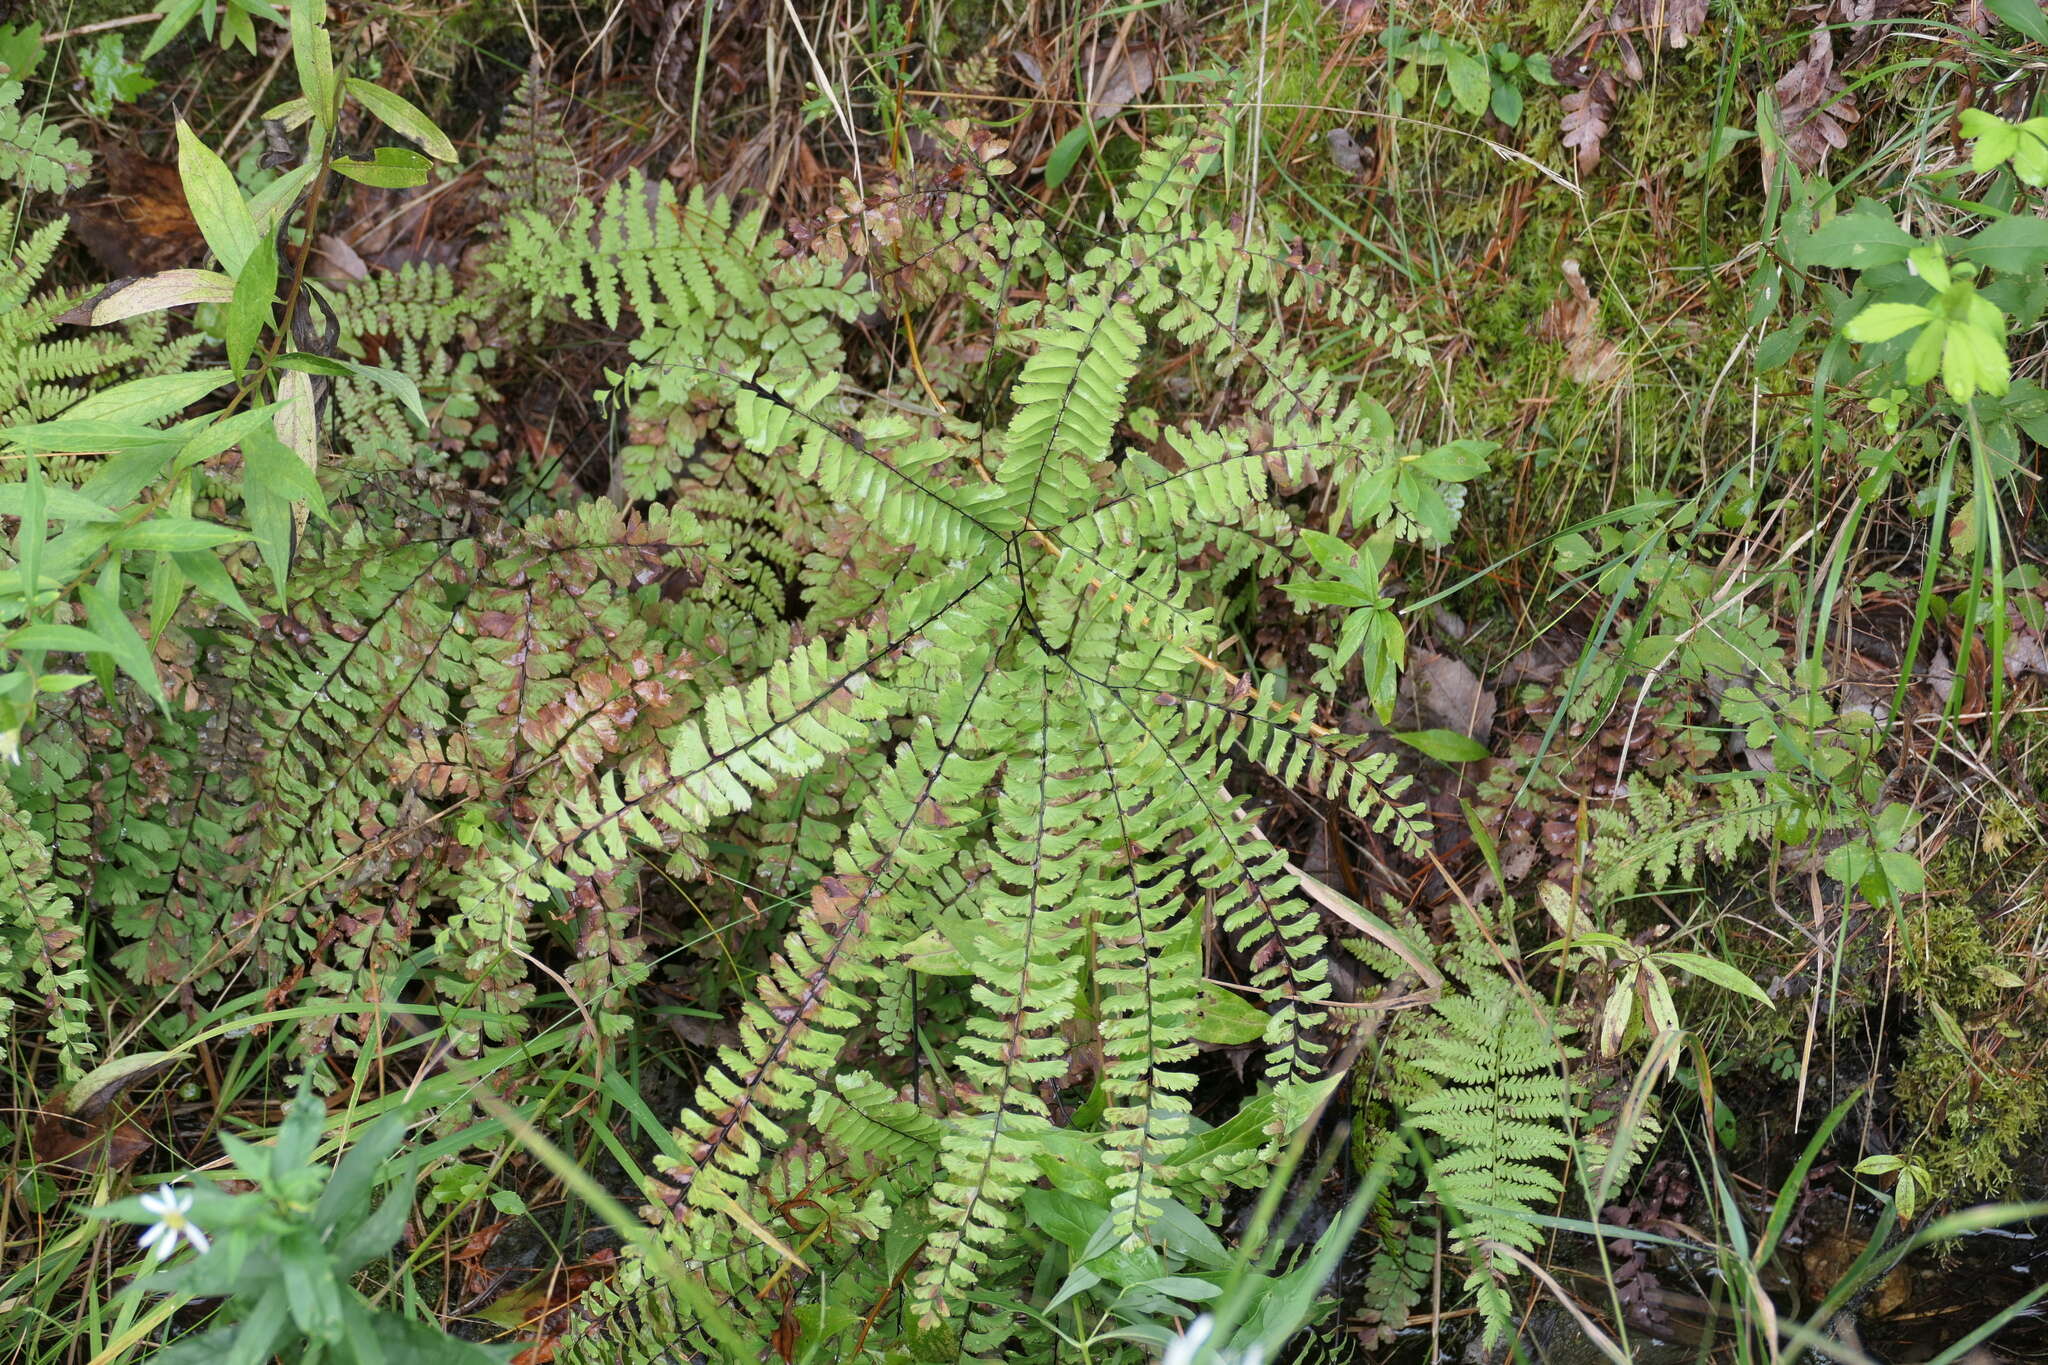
x=32 y=152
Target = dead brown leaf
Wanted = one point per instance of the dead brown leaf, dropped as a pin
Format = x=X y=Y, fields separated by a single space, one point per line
x=1590 y=358
x=1587 y=116
x=1118 y=74
x=1814 y=115
x=139 y=224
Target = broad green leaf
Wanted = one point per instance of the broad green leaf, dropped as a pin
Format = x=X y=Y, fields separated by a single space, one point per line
x=1883 y=321
x=1456 y=461
x=154 y=293
x=1332 y=594
x=313 y=56
x=269 y=205
x=205 y=572
x=69 y=437
x=1507 y=103
x=1059 y=164
x=2023 y=17
x=219 y=436
x=1446 y=746
x=165 y=592
x=398 y=384
x=215 y=200
x=348 y=1189
x=1865 y=236
x=253 y=309
x=1471 y=83
x=57 y=501
x=1779 y=347
x=400 y=115
x=175 y=534
x=149 y=399
x=48 y=635
x=391 y=168
x=103 y=608
x=2011 y=244
x=1225 y=1018
x=274 y=482
x=1720 y=973
x=309 y=1286
x=177 y=14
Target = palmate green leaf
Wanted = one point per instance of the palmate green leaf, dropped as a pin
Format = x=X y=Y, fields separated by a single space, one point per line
x=1973 y=360
x=1995 y=138
x=1924 y=359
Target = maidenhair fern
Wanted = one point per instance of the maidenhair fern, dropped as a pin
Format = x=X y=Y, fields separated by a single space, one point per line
x=933 y=672
x=42 y=940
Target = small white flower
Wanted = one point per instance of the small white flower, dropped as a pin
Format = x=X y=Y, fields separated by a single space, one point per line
x=1184 y=1348
x=169 y=1206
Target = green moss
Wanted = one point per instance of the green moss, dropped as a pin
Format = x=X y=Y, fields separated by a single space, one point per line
x=1969 y=1089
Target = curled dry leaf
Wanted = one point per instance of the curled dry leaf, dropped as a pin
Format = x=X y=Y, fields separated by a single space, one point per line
x=1814 y=115
x=1680 y=19
x=1587 y=115
x=1575 y=320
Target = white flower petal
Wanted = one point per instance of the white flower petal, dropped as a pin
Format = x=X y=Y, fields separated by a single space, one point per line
x=165 y=1248
x=1183 y=1349
x=197 y=1238
x=151 y=1233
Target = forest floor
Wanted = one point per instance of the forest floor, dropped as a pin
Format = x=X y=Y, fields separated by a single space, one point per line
x=1726 y=541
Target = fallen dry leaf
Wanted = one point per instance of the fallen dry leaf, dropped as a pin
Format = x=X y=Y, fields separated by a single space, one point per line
x=1446 y=695
x=1814 y=115
x=1117 y=75
x=139 y=224
x=1590 y=358
x=1587 y=115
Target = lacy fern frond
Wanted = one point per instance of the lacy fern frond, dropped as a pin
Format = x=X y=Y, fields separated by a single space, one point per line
x=42 y=948
x=1665 y=831
x=33 y=153
x=1503 y=1110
